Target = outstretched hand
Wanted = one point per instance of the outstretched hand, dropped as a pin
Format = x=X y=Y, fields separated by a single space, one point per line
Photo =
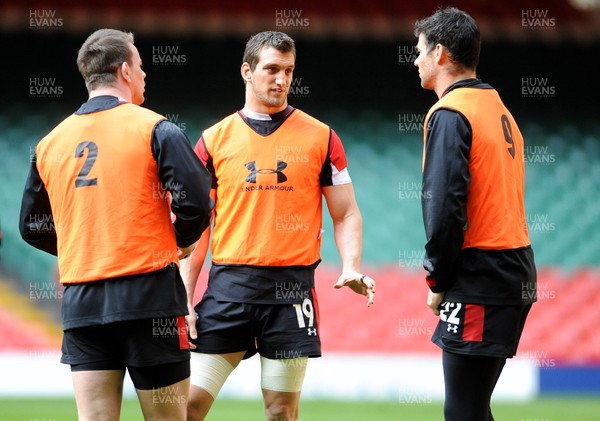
x=359 y=283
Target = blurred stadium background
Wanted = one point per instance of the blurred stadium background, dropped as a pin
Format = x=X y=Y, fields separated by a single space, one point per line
x=354 y=71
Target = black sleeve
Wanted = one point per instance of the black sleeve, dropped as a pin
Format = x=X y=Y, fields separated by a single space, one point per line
x=446 y=181
x=36 y=222
x=184 y=176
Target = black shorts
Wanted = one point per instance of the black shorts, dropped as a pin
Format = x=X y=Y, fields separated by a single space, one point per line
x=159 y=342
x=275 y=331
x=480 y=329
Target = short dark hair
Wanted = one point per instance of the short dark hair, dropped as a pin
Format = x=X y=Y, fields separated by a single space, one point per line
x=457 y=31
x=100 y=56
x=278 y=40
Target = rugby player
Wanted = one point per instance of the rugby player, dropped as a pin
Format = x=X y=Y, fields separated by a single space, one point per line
x=271 y=164
x=479 y=260
x=108 y=178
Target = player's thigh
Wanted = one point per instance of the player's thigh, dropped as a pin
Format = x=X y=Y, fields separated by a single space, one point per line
x=209 y=372
x=283 y=375
x=165 y=402
x=98 y=394
x=97 y=371
x=162 y=389
x=287 y=337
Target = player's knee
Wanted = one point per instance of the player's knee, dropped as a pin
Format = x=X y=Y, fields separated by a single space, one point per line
x=199 y=403
x=281 y=381
x=195 y=411
x=281 y=411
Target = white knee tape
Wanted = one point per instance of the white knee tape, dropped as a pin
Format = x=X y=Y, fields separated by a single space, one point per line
x=286 y=375
x=209 y=371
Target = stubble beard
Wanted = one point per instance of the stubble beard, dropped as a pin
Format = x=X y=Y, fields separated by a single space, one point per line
x=271 y=101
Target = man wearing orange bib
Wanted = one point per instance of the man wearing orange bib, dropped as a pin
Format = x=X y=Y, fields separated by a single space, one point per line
x=271 y=164
x=479 y=261
x=108 y=178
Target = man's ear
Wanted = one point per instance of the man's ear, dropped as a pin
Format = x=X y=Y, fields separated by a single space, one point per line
x=440 y=54
x=246 y=72
x=124 y=69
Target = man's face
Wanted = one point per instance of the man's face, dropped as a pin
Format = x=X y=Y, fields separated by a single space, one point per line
x=269 y=83
x=137 y=77
x=425 y=63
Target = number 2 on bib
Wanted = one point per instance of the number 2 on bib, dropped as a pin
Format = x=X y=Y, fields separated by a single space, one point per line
x=82 y=179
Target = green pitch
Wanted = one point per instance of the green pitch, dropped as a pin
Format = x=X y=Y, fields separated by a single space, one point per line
x=543 y=409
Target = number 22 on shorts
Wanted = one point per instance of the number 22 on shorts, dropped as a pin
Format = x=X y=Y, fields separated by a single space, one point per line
x=453 y=309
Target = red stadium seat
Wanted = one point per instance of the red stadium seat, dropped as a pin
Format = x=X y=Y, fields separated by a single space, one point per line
x=562 y=325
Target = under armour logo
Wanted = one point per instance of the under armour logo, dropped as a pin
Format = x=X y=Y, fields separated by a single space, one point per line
x=251 y=166
x=312 y=331
x=452 y=328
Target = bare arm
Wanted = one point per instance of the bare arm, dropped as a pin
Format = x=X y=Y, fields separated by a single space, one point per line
x=347 y=231
x=190 y=271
